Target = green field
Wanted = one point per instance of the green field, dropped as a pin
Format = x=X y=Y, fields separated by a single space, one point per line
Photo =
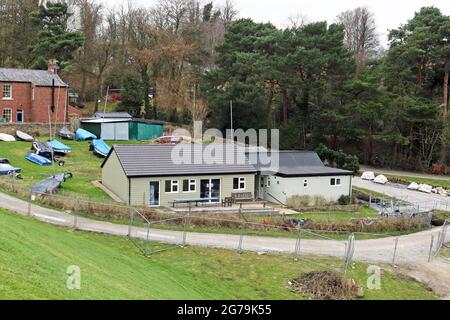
x=432 y=182
x=81 y=162
x=34 y=258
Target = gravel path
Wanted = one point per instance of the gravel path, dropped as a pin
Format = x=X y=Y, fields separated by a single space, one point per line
x=423 y=200
x=411 y=249
x=404 y=173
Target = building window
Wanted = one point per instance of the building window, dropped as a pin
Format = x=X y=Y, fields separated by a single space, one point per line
x=7 y=91
x=305 y=183
x=239 y=184
x=19 y=116
x=335 y=182
x=189 y=185
x=171 y=186
x=7 y=114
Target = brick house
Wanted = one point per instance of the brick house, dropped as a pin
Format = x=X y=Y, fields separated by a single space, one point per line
x=34 y=96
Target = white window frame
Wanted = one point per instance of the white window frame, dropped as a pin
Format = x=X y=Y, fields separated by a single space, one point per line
x=173 y=184
x=10 y=97
x=191 y=183
x=337 y=182
x=10 y=114
x=241 y=180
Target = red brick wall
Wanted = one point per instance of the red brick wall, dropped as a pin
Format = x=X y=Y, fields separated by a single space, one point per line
x=37 y=110
x=21 y=99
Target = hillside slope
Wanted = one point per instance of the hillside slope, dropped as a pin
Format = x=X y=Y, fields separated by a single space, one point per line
x=34 y=258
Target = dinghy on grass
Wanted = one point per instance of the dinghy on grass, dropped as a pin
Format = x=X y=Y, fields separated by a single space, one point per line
x=83 y=135
x=59 y=147
x=24 y=136
x=65 y=133
x=39 y=160
x=7 y=137
x=100 y=148
x=7 y=169
x=45 y=150
x=51 y=184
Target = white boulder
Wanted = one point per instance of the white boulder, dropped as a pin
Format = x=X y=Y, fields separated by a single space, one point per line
x=425 y=188
x=369 y=175
x=381 y=179
x=413 y=186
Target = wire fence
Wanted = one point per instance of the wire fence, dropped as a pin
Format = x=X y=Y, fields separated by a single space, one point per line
x=155 y=232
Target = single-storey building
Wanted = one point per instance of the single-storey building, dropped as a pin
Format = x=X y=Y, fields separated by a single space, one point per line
x=149 y=175
x=300 y=173
x=120 y=126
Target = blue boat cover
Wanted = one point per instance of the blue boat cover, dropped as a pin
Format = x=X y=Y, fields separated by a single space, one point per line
x=59 y=147
x=38 y=159
x=101 y=148
x=83 y=135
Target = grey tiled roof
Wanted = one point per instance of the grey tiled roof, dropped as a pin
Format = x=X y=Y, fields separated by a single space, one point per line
x=157 y=160
x=112 y=115
x=296 y=164
x=37 y=77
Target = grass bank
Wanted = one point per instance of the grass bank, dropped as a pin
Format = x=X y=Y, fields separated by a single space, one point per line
x=34 y=258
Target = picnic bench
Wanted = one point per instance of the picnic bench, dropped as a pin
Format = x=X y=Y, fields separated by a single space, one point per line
x=242 y=197
x=194 y=200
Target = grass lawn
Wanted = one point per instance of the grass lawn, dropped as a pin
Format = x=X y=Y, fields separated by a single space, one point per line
x=34 y=258
x=432 y=182
x=89 y=109
x=339 y=216
x=445 y=252
x=368 y=192
x=81 y=162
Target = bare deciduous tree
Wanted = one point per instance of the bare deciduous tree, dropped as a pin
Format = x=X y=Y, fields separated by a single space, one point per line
x=360 y=33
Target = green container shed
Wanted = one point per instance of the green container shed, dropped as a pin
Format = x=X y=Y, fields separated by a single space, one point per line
x=145 y=130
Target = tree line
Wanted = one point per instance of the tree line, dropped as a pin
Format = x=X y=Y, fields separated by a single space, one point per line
x=321 y=84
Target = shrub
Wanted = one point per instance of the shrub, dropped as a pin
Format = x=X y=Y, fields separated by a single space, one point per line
x=345 y=200
x=299 y=201
x=320 y=201
x=338 y=158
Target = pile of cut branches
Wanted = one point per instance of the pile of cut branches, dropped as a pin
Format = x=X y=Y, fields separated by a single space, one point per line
x=326 y=285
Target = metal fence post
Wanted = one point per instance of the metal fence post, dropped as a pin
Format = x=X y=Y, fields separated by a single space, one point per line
x=298 y=245
x=75 y=216
x=241 y=239
x=147 y=242
x=29 y=203
x=395 y=251
x=131 y=213
x=430 y=255
x=185 y=226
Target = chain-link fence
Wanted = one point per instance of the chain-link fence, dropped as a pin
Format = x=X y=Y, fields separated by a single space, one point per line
x=155 y=231
x=142 y=232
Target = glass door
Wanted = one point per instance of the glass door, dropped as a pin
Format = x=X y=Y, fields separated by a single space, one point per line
x=210 y=189
x=154 y=194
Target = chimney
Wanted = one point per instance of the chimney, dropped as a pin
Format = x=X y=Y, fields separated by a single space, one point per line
x=53 y=66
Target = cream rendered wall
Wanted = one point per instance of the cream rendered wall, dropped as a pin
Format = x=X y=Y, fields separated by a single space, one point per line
x=280 y=189
x=140 y=188
x=114 y=178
